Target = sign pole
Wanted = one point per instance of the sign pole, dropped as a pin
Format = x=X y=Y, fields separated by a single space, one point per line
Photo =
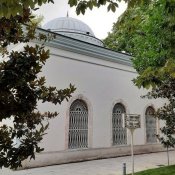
x=132 y=149
x=132 y=122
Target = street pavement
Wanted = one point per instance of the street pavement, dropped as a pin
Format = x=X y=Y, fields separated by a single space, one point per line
x=111 y=166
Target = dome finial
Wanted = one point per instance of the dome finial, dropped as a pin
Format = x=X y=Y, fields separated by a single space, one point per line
x=67 y=14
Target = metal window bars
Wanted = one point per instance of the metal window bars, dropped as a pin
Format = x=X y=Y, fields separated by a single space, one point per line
x=78 y=125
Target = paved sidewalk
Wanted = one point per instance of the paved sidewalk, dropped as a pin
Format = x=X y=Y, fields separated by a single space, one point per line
x=112 y=166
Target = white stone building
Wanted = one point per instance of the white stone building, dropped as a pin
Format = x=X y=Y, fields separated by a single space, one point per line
x=89 y=126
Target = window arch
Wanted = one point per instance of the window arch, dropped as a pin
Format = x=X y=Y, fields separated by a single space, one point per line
x=151 y=130
x=119 y=134
x=78 y=125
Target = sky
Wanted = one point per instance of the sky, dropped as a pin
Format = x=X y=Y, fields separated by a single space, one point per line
x=99 y=20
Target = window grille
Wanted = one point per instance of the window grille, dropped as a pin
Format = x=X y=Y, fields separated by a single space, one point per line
x=151 y=130
x=78 y=125
x=119 y=134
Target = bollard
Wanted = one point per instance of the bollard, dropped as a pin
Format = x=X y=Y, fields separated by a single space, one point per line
x=124 y=168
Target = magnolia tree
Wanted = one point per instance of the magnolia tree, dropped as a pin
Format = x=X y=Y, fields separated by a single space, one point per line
x=21 y=87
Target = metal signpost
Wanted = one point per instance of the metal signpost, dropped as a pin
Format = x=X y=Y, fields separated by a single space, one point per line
x=132 y=122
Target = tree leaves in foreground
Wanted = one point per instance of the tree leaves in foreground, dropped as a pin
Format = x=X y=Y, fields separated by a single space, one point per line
x=82 y=6
x=21 y=87
x=147 y=32
x=112 y=5
x=16 y=7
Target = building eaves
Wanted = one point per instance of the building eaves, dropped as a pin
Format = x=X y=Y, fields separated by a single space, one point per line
x=81 y=47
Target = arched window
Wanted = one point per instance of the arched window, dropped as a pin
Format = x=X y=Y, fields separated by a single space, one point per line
x=78 y=125
x=118 y=132
x=151 y=130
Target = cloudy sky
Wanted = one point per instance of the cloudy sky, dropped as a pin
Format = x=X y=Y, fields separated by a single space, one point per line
x=99 y=20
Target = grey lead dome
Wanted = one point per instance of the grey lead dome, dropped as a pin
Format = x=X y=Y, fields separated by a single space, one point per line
x=67 y=24
x=73 y=28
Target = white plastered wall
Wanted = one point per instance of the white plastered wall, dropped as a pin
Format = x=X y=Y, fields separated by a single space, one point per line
x=102 y=83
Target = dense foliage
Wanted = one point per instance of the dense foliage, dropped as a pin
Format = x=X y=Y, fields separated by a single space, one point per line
x=147 y=32
x=21 y=87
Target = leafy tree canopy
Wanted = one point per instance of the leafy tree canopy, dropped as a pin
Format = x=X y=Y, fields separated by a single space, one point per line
x=21 y=87
x=10 y=8
x=146 y=31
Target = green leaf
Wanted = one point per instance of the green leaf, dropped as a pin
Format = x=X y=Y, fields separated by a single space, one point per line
x=113 y=8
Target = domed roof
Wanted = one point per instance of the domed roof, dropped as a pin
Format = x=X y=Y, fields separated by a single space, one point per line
x=68 y=24
x=73 y=28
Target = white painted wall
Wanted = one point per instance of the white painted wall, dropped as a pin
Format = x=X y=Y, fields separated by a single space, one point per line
x=103 y=84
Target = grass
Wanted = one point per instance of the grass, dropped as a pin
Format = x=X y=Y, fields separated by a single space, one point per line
x=167 y=170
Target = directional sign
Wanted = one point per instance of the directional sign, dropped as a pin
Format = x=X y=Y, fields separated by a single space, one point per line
x=131 y=121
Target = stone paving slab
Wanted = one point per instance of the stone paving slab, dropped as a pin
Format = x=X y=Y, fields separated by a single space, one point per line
x=112 y=166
